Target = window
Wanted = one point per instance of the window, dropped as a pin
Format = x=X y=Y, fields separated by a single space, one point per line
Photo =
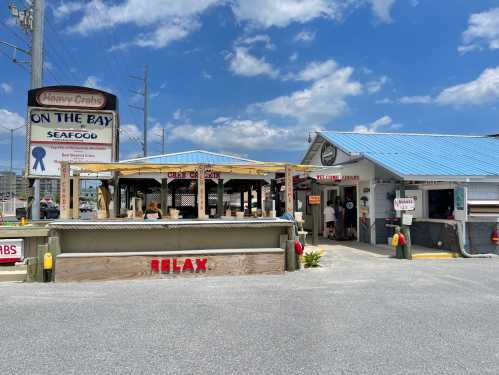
x=441 y=204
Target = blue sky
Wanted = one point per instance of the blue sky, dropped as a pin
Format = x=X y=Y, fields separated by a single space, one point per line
x=254 y=77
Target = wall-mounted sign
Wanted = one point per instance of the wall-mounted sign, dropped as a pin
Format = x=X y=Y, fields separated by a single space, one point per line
x=175 y=265
x=11 y=250
x=336 y=177
x=404 y=204
x=328 y=154
x=70 y=98
x=314 y=199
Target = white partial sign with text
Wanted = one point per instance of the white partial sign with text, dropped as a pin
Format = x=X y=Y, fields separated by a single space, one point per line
x=404 y=204
x=44 y=159
x=11 y=250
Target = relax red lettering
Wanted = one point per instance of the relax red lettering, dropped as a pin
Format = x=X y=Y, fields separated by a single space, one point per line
x=174 y=265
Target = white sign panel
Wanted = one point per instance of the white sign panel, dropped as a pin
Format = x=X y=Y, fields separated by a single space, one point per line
x=44 y=159
x=71 y=98
x=11 y=250
x=404 y=204
x=78 y=127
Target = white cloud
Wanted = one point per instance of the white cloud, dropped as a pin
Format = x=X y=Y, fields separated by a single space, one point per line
x=67 y=8
x=130 y=132
x=374 y=126
x=418 y=99
x=260 y=38
x=181 y=114
x=245 y=64
x=280 y=13
x=376 y=85
x=381 y=9
x=315 y=70
x=305 y=36
x=323 y=100
x=293 y=57
x=206 y=75
x=239 y=134
x=167 y=20
x=95 y=83
x=6 y=87
x=10 y=120
x=484 y=89
x=48 y=65
x=483 y=30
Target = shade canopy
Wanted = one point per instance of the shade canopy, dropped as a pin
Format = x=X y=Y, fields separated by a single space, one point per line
x=255 y=169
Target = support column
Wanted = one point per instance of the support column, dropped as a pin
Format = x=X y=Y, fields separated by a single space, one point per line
x=201 y=192
x=220 y=198
x=116 y=196
x=164 y=196
x=289 y=189
x=65 y=191
x=259 y=195
x=316 y=214
x=76 y=195
x=242 y=200
x=250 y=199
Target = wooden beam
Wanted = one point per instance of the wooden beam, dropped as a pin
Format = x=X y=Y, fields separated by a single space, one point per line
x=201 y=192
x=289 y=189
x=65 y=191
x=76 y=195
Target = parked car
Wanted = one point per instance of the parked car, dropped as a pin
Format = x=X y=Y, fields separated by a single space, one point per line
x=49 y=210
x=86 y=207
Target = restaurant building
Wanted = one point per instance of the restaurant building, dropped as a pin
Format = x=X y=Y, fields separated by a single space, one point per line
x=453 y=180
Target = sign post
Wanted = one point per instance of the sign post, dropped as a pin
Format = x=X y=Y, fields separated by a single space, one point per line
x=405 y=204
x=65 y=191
x=289 y=189
x=201 y=192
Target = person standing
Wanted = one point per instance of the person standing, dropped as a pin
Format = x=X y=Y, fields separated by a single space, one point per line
x=350 y=218
x=330 y=219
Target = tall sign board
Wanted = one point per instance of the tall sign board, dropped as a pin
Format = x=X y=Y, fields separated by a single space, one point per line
x=70 y=124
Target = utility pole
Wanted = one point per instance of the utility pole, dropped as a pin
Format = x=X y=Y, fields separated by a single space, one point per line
x=163 y=140
x=145 y=109
x=31 y=20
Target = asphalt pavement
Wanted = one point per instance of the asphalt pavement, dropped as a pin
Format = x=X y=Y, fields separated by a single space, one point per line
x=358 y=314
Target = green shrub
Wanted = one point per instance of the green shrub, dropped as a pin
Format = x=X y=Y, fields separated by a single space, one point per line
x=312 y=259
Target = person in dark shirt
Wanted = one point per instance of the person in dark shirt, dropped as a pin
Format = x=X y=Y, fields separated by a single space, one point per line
x=350 y=217
x=152 y=212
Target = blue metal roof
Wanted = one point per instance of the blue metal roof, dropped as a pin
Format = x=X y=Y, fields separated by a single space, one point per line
x=423 y=154
x=192 y=157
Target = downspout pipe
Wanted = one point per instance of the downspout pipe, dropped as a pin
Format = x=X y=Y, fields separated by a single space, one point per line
x=462 y=247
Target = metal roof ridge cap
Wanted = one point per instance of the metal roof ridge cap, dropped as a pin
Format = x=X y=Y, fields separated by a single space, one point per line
x=408 y=134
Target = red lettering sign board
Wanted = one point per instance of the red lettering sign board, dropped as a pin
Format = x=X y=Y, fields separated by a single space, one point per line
x=11 y=250
x=178 y=266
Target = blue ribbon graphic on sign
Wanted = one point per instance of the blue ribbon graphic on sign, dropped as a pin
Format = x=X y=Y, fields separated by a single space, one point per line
x=38 y=153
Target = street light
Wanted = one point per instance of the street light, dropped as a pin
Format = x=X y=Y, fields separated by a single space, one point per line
x=11 y=130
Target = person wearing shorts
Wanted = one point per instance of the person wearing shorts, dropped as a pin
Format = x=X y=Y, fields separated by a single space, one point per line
x=330 y=219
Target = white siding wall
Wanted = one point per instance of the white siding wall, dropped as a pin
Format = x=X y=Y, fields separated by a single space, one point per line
x=483 y=191
x=383 y=204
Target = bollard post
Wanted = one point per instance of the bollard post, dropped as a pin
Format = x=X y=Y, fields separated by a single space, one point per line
x=407 y=248
x=290 y=256
x=54 y=247
x=41 y=250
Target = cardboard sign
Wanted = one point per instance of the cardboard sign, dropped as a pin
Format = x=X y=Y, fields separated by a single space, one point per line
x=314 y=199
x=404 y=204
x=11 y=250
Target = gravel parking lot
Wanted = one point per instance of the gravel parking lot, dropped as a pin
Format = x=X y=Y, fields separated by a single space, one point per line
x=358 y=314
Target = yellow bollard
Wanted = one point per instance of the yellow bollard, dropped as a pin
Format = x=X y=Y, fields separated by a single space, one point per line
x=47 y=267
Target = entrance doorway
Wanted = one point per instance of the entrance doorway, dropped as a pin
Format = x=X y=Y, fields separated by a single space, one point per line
x=350 y=231
x=329 y=193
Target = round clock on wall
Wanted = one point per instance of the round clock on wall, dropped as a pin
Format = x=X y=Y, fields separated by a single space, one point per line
x=328 y=154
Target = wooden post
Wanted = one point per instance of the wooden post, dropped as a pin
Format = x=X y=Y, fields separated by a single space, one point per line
x=316 y=214
x=220 y=198
x=65 y=191
x=164 y=196
x=289 y=189
x=250 y=199
x=201 y=192
x=259 y=195
x=76 y=195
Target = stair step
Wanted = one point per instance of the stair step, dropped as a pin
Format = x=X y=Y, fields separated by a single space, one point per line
x=13 y=276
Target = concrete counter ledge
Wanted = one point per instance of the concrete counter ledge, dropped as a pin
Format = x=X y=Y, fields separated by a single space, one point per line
x=122 y=249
